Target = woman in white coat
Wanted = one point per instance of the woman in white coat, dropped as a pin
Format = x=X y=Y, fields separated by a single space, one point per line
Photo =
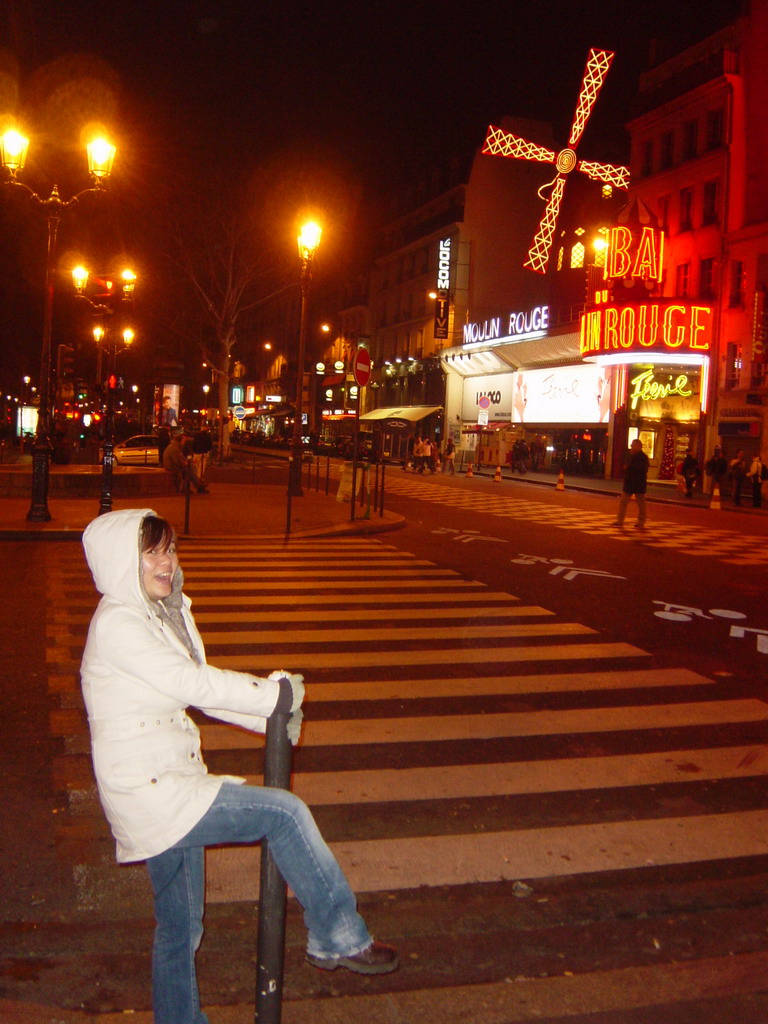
x=143 y=665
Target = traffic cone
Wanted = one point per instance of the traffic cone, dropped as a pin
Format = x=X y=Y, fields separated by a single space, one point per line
x=469 y=470
x=715 y=502
x=497 y=477
x=560 y=485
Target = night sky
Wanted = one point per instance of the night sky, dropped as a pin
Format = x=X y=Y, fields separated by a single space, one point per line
x=372 y=85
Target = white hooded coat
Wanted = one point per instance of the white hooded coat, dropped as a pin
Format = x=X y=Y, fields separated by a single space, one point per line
x=138 y=679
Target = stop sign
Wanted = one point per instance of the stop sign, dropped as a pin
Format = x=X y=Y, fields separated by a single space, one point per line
x=362 y=367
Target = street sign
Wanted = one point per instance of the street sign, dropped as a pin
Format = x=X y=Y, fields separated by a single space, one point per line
x=239 y=412
x=361 y=367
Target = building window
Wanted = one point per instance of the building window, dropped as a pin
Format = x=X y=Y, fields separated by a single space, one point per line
x=690 y=139
x=709 y=213
x=663 y=208
x=646 y=169
x=682 y=280
x=732 y=365
x=707 y=278
x=715 y=125
x=738 y=288
x=686 y=209
x=667 y=150
x=577 y=255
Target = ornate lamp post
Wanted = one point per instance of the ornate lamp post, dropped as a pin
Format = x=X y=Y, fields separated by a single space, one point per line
x=308 y=240
x=13 y=153
x=107 y=340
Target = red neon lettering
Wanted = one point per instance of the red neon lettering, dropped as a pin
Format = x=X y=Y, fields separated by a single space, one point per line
x=618 y=262
x=697 y=312
x=673 y=334
x=627 y=327
x=647 y=263
x=648 y=334
x=610 y=332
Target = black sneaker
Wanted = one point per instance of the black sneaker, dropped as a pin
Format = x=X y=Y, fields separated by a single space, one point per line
x=378 y=958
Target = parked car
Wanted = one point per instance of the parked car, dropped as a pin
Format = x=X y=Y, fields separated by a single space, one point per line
x=140 y=450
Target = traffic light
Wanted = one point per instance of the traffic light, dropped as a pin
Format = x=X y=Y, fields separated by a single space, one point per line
x=112 y=382
x=65 y=361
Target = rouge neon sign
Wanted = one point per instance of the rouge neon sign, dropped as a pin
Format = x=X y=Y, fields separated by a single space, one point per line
x=648 y=327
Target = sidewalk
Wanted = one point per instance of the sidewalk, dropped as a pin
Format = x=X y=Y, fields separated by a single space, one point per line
x=229 y=509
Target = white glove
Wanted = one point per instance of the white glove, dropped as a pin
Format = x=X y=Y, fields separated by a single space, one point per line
x=294 y=726
x=297 y=686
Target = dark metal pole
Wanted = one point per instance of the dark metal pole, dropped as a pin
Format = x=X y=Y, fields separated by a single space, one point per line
x=381 y=496
x=288 y=499
x=187 y=483
x=108 y=457
x=294 y=483
x=272 y=890
x=41 y=450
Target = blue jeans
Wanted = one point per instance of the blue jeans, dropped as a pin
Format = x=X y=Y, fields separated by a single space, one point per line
x=244 y=814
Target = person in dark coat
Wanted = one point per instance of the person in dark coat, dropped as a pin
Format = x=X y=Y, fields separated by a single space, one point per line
x=635 y=482
x=690 y=471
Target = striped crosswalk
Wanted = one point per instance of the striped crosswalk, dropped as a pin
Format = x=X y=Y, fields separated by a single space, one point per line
x=438 y=709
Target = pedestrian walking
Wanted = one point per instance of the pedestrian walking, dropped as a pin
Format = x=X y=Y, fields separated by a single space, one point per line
x=758 y=472
x=449 y=457
x=716 y=468
x=143 y=666
x=520 y=452
x=635 y=482
x=690 y=471
x=737 y=469
x=202 y=446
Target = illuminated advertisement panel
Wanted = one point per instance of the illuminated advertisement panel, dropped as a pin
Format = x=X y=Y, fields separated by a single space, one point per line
x=564 y=394
x=497 y=389
x=640 y=330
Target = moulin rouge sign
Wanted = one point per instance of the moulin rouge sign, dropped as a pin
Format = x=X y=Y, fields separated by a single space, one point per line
x=656 y=326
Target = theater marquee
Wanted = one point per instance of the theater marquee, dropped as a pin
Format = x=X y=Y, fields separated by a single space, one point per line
x=647 y=331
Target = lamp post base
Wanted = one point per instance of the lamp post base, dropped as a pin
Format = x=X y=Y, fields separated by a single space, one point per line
x=41 y=467
x=294 y=473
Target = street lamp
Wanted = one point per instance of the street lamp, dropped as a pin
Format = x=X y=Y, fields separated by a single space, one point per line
x=308 y=240
x=127 y=336
x=13 y=154
x=107 y=339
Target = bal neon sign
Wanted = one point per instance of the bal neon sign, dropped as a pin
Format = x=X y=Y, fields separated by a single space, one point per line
x=631 y=255
x=652 y=326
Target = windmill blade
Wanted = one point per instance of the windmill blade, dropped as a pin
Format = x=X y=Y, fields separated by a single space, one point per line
x=598 y=63
x=538 y=254
x=609 y=173
x=499 y=142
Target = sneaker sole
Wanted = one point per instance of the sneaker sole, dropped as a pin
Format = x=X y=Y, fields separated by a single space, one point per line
x=330 y=964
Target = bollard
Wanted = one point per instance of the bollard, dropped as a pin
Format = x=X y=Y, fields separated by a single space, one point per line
x=715 y=500
x=497 y=477
x=270 y=950
x=469 y=470
x=186 y=504
x=381 y=495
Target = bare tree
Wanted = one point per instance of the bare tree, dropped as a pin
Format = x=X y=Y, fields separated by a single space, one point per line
x=222 y=272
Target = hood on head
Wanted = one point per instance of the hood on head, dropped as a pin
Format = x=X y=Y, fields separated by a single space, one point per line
x=111 y=545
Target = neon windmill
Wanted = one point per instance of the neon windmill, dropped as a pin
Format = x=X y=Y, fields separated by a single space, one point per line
x=499 y=142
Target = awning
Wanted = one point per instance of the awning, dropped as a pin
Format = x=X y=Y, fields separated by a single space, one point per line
x=409 y=413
